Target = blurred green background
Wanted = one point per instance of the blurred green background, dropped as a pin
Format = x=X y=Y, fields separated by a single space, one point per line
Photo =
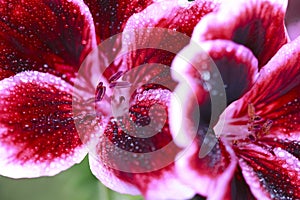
x=76 y=183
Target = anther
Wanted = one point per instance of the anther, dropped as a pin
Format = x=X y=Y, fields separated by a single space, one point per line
x=100 y=92
x=115 y=76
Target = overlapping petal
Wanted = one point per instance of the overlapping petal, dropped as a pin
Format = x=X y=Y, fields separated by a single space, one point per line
x=46 y=36
x=162 y=15
x=198 y=67
x=153 y=35
x=201 y=70
x=136 y=153
x=213 y=172
x=259 y=25
x=110 y=16
x=278 y=99
x=37 y=131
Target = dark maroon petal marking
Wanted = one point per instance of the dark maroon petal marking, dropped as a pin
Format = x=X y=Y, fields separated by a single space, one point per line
x=291 y=146
x=259 y=25
x=130 y=158
x=236 y=64
x=239 y=187
x=270 y=173
x=37 y=131
x=45 y=36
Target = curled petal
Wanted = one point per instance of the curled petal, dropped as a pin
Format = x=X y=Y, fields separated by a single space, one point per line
x=271 y=174
x=37 y=131
x=136 y=154
x=45 y=36
x=259 y=25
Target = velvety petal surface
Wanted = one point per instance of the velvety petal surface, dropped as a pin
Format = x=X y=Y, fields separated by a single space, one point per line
x=37 y=132
x=136 y=153
x=271 y=173
x=110 y=16
x=259 y=25
x=46 y=36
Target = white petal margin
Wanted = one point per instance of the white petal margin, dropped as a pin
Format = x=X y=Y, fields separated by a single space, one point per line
x=107 y=177
x=14 y=168
x=168 y=186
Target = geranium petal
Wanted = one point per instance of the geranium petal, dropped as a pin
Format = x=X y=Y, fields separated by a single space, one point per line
x=271 y=174
x=213 y=172
x=275 y=95
x=166 y=21
x=201 y=71
x=288 y=144
x=259 y=25
x=46 y=36
x=110 y=16
x=37 y=131
x=239 y=187
x=136 y=153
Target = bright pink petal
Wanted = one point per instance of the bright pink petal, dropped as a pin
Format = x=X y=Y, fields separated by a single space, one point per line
x=212 y=173
x=37 y=131
x=45 y=36
x=259 y=25
x=275 y=95
x=136 y=153
x=271 y=174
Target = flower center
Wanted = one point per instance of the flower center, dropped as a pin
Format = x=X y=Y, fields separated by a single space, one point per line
x=257 y=127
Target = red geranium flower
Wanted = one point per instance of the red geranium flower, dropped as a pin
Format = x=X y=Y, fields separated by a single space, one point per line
x=44 y=44
x=257 y=136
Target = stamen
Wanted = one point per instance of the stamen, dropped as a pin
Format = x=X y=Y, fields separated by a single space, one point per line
x=254 y=124
x=267 y=126
x=115 y=76
x=100 y=92
x=252 y=138
x=120 y=84
x=251 y=111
